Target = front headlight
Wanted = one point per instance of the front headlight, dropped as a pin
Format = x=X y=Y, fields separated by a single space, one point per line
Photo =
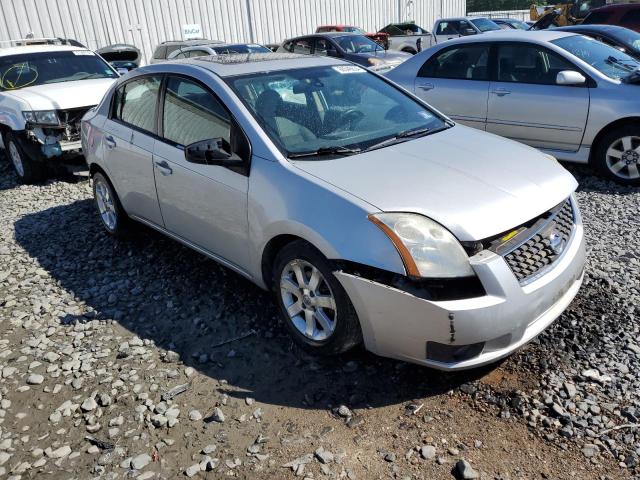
x=426 y=247
x=42 y=117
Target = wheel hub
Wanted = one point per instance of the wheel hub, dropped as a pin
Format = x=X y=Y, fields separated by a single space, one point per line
x=623 y=157
x=630 y=156
x=308 y=300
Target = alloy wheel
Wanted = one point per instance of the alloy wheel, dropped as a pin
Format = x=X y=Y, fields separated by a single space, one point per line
x=105 y=204
x=16 y=158
x=623 y=157
x=308 y=300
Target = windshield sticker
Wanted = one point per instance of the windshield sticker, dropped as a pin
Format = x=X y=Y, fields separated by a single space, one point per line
x=83 y=52
x=348 y=69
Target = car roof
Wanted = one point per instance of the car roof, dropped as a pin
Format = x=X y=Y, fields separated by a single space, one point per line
x=535 y=36
x=617 y=6
x=451 y=19
x=327 y=34
x=37 y=49
x=591 y=27
x=248 y=63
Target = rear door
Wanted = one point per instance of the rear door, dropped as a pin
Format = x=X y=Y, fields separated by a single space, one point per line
x=455 y=80
x=527 y=105
x=204 y=204
x=130 y=133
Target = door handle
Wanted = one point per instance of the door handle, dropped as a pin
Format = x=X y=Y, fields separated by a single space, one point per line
x=501 y=92
x=110 y=142
x=164 y=168
x=426 y=86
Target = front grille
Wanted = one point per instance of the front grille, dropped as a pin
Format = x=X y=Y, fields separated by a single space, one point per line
x=544 y=247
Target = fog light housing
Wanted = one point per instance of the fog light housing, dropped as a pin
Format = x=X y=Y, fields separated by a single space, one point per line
x=441 y=352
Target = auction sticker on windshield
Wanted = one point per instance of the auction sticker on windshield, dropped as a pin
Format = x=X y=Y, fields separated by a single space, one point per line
x=83 y=52
x=348 y=69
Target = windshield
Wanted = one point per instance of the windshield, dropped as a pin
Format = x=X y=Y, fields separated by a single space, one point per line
x=485 y=25
x=608 y=60
x=627 y=37
x=354 y=30
x=518 y=25
x=331 y=110
x=29 y=69
x=250 y=48
x=357 y=44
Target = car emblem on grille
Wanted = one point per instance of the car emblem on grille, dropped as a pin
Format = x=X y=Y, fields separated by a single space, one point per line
x=556 y=242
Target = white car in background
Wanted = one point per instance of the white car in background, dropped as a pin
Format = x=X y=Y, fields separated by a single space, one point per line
x=46 y=87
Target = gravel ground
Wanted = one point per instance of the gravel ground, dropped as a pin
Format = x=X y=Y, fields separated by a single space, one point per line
x=143 y=359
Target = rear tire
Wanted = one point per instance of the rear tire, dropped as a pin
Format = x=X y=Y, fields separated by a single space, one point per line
x=112 y=216
x=28 y=170
x=315 y=308
x=617 y=155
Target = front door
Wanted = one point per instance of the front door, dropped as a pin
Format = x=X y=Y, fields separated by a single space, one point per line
x=128 y=140
x=204 y=204
x=447 y=30
x=456 y=81
x=527 y=105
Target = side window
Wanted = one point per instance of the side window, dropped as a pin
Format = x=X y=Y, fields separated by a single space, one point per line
x=469 y=62
x=288 y=46
x=135 y=103
x=197 y=53
x=526 y=63
x=302 y=45
x=631 y=19
x=181 y=55
x=160 y=53
x=192 y=113
x=323 y=47
x=448 y=28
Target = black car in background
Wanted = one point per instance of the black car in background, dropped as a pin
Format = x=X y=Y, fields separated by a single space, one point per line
x=350 y=46
x=624 y=39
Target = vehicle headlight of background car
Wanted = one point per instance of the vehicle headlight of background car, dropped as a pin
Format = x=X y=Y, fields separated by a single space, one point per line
x=426 y=247
x=42 y=117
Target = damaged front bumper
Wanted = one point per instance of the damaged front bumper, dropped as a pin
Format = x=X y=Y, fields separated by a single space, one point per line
x=51 y=141
x=470 y=332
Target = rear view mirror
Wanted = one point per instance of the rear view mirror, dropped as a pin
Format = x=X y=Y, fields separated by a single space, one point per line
x=569 y=77
x=214 y=151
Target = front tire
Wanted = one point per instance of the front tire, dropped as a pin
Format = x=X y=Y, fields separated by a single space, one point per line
x=617 y=155
x=28 y=170
x=112 y=216
x=315 y=308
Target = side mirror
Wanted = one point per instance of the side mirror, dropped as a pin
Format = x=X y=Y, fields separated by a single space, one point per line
x=570 y=77
x=468 y=31
x=122 y=71
x=214 y=151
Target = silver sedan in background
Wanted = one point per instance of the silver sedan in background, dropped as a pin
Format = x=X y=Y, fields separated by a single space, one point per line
x=370 y=216
x=567 y=94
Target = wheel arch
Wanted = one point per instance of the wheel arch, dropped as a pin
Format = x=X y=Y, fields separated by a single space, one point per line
x=605 y=130
x=271 y=250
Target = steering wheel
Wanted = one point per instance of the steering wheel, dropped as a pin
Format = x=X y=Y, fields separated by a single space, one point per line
x=352 y=116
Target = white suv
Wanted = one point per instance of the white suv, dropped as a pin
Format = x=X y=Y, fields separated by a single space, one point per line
x=46 y=86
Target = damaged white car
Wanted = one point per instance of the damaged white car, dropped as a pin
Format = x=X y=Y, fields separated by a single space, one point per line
x=45 y=90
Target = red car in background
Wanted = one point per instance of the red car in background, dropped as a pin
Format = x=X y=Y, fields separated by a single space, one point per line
x=624 y=15
x=380 y=38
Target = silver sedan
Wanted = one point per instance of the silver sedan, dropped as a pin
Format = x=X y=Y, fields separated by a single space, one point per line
x=370 y=216
x=567 y=94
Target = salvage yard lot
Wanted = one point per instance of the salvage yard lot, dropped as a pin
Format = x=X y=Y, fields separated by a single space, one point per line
x=94 y=331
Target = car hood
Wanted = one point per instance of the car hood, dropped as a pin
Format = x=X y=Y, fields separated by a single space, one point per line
x=475 y=184
x=64 y=95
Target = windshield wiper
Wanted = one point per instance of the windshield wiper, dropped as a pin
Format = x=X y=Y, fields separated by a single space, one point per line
x=416 y=132
x=325 y=151
x=611 y=60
